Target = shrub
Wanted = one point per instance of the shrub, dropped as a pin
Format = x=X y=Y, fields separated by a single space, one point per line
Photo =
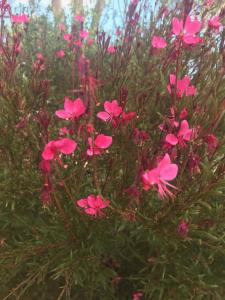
x=112 y=155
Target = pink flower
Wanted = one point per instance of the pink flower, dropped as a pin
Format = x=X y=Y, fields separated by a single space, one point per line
x=111 y=49
x=64 y=146
x=93 y=205
x=67 y=37
x=182 y=86
x=164 y=172
x=83 y=34
x=60 y=53
x=209 y=2
x=214 y=22
x=193 y=163
x=140 y=136
x=112 y=111
x=158 y=42
x=73 y=109
x=183 y=227
x=183 y=113
x=40 y=57
x=184 y=134
x=20 y=18
x=44 y=166
x=212 y=142
x=188 y=32
x=101 y=143
x=79 y=18
x=62 y=27
x=63 y=131
x=126 y=117
x=137 y=295
x=78 y=43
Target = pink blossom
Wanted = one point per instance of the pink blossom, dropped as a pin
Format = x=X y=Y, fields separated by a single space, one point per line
x=73 y=109
x=60 y=53
x=182 y=86
x=209 y=2
x=40 y=57
x=44 y=166
x=184 y=134
x=137 y=295
x=78 y=43
x=214 y=22
x=93 y=205
x=140 y=136
x=20 y=18
x=164 y=172
x=101 y=143
x=79 y=18
x=211 y=141
x=112 y=111
x=183 y=113
x=83 y=34
x=64 y=146
x=158 y=42
x=62 y=27
x=63 y=131
x=183 y=227
x=126 y=117
x=188 y=32
x=193 y=163
x=67 y=37
x=111 y=49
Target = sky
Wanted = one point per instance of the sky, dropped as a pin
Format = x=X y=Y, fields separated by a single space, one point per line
x=111 y=17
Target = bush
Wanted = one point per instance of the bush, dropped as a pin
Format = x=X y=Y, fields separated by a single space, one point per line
x=112 y=155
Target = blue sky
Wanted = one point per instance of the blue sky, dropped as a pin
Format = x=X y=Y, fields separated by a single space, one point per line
x=111 y=18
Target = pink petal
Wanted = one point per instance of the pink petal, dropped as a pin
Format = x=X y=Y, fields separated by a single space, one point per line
x=68 y=105
x=83 y=34
x=91 y=211
x=169 y=172
x=172 y=79
x=214 y=22
x=82 y=203
x=62 y=114
x=192 y=27
x=171 y=139
x=151 y=177
x=184 y=127
x=111 y=49
x=66 y=145
x=91 y=199
x=103 y=141
x=79 y=18
x=78 y=107
x=191 y=91
x=116 y=109
x=128 y=116
x=158 y=42
x=108 y=107
x=191 y=39
x=177 y=26
x=49 y=151
x=90 y=152
x=182 y=85
x=104 y=116
x=164 y=162
x=104 y=204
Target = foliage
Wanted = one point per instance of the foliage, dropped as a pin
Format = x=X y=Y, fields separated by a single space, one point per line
x=157 y=230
